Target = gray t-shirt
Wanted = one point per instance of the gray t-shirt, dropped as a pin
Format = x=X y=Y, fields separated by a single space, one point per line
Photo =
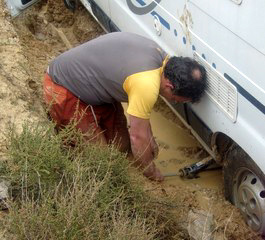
x=96 y=70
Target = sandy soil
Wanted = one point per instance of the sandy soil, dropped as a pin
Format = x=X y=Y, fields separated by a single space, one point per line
x=29 y=42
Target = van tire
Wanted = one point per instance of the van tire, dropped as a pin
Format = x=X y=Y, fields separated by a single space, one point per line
x=244 y=184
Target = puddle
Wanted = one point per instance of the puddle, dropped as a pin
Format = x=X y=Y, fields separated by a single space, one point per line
x=177 y=149
x=180 y=151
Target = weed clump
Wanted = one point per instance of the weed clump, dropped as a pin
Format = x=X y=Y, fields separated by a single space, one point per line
x=81 y=192
x=35 y=162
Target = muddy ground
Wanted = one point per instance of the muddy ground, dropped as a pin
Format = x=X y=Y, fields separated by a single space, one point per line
x=29 y=42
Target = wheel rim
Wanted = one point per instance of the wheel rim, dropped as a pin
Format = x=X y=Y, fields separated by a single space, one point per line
x=249 y=197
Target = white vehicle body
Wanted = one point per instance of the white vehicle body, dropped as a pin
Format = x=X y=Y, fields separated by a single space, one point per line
x=227 y=37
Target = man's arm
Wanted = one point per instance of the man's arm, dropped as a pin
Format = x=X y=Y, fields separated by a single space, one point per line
x=141 y=143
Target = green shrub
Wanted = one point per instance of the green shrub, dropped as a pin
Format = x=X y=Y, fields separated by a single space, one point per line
x=81 y=192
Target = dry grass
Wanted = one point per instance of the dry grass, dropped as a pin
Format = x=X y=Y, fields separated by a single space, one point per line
x=61 y=192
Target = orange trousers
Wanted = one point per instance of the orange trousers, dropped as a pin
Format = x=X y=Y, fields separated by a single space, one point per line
x=106 y=120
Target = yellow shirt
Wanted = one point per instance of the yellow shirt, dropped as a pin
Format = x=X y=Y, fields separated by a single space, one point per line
x=143 y=90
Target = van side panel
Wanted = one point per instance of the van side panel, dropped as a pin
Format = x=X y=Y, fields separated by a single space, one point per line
x=143 y=24
x=235 y=38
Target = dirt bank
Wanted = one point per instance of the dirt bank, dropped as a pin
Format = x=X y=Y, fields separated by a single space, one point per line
x=29 y=42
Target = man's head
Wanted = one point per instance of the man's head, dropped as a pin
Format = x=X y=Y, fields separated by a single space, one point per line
x=183 y=79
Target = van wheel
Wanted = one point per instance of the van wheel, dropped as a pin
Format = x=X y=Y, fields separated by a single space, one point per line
x=244 y=187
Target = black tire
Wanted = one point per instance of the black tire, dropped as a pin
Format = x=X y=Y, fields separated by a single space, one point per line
x=245 y=187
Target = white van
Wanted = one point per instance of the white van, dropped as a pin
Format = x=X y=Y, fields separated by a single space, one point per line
x=228 y=38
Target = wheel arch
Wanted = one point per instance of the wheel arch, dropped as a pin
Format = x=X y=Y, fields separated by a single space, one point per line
x=221 y=143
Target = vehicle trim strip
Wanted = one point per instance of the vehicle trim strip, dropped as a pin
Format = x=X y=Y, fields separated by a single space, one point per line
x=246 y=94
x=162 y=20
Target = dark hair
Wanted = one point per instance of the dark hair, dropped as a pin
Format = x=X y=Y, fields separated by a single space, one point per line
x=180 y=72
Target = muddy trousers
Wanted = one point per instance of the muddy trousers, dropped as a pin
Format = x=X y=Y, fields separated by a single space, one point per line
x=105 y=122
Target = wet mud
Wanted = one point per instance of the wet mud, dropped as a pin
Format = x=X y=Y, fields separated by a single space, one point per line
x=178 y=148
x=48 y=29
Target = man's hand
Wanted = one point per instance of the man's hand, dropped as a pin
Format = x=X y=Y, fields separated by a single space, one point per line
x=144 y=147
x=153 y=173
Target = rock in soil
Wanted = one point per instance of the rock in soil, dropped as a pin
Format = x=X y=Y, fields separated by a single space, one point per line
x=200 y=225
